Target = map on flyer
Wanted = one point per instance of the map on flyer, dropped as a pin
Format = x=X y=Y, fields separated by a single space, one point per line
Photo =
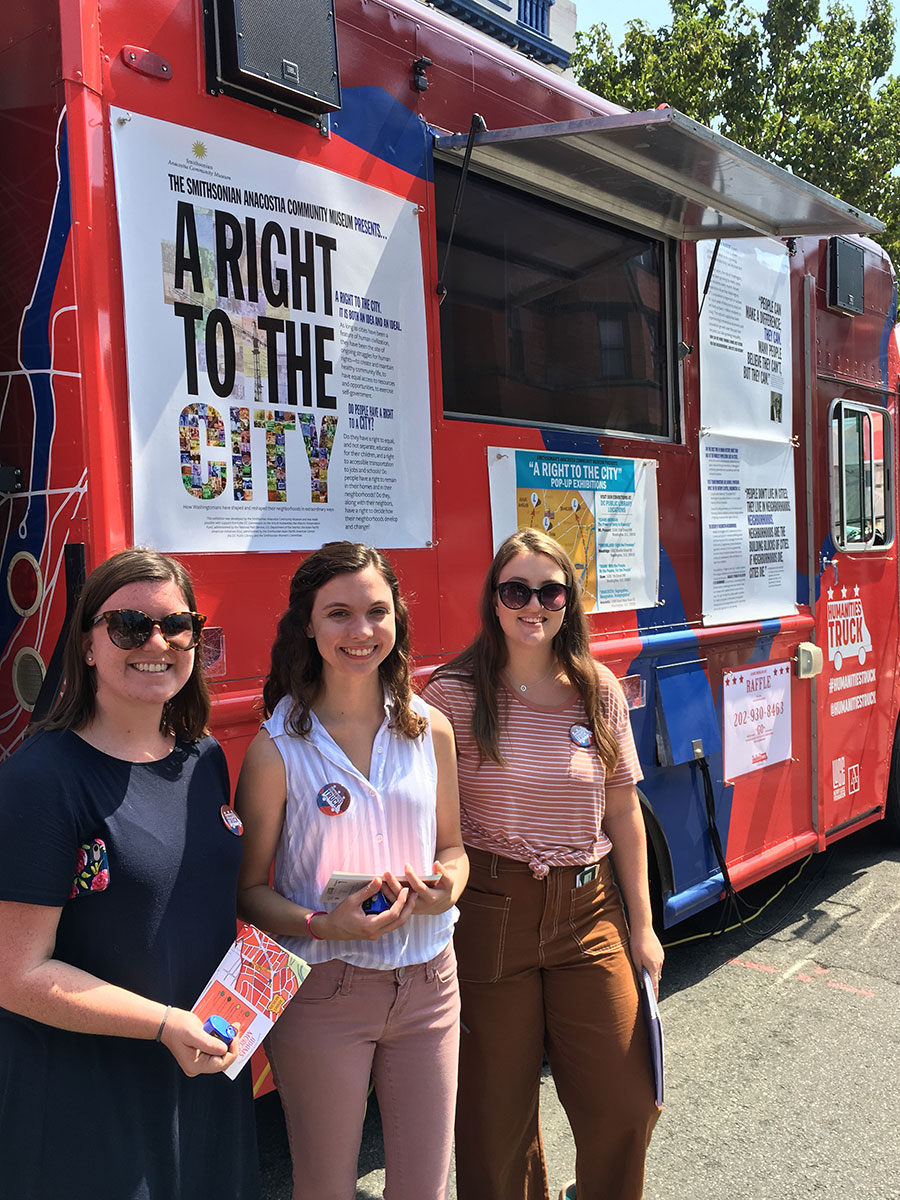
x=566 y=516
x=251 y=987
x=603 y=512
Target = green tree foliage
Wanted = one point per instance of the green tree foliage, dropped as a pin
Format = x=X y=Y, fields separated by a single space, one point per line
x=809 y=92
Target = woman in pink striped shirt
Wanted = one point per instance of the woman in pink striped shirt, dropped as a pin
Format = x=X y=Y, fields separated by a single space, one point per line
x=547 y=772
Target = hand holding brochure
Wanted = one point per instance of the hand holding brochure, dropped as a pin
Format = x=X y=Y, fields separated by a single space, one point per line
x=251 y=986
x=655 y=1033
x=343 y=884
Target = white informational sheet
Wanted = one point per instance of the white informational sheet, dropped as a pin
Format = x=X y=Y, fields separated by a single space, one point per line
x=603 y=511
x=276 y=346
x=757 y=718
x=749 y=547
x=745 y=339
x=746 y=456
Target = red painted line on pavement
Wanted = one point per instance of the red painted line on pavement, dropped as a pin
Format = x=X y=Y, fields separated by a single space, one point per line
x=845 y=987
x=803 y=978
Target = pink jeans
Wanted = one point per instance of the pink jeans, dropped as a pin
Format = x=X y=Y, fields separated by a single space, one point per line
x=401 y=1026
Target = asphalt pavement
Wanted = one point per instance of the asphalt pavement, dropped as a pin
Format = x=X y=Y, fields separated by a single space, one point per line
x=782 y=1047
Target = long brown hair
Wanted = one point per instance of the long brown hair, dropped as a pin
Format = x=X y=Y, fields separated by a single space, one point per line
x=296 y=667
x=187 y=713
x=482 y=662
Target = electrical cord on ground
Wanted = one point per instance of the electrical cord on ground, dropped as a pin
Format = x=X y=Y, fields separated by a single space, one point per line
x=732 y=901
x=779 y=924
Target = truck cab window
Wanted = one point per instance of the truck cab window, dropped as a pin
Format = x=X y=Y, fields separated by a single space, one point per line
x=861 y=483
x=552 y=317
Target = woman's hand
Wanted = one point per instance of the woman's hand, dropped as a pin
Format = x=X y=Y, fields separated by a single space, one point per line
x=348 y=922
x=646 y=951
x=195 y=1051
x=41 y=987
x=431 y=898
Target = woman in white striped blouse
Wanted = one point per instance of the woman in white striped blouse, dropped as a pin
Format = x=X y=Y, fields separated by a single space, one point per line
x=353 y=774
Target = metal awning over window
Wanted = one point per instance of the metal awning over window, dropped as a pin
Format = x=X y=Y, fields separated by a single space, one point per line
x=662 y=171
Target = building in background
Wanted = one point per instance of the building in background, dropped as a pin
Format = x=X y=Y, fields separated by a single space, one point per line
x=541 y=29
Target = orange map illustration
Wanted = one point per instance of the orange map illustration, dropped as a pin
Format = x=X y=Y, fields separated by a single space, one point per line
x=565 y=515
x=251 y=987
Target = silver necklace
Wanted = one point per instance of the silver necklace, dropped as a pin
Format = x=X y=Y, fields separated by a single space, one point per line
x=523 y=687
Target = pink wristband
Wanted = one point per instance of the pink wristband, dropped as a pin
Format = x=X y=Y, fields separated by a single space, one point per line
x=309 y=928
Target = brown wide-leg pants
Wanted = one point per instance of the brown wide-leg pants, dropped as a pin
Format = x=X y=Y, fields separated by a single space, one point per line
x=543 y=963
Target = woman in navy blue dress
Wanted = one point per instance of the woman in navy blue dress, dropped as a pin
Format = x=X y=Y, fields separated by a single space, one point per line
x=116 y=904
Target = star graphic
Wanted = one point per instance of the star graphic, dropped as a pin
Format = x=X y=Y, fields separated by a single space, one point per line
x=843 y=593
x=856 y=590
x=831 y=593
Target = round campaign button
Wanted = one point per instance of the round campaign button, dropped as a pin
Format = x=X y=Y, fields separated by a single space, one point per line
x=231 y=820
x=581 y=736
x=333 y=799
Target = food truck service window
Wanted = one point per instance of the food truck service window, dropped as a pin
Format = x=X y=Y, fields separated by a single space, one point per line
x=552 y=317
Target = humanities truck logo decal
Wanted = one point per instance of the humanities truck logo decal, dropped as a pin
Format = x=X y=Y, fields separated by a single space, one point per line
x=848 y=634
x=849 y=637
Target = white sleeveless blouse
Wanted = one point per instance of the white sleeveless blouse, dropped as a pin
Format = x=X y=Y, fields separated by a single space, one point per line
x=337 y=820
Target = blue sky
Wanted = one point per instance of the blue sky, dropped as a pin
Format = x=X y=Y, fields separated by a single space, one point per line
x=657 y=12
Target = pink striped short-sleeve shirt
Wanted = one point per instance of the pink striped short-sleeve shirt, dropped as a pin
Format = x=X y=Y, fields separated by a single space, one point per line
x=545 y=806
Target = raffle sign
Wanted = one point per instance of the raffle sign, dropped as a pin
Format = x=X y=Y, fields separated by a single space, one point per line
x=277 y=354
x=757 y=718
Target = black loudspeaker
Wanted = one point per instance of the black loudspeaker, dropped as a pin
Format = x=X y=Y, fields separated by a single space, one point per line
x=279 y=53
x=846 y=275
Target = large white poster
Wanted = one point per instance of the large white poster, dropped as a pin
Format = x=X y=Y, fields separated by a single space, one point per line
x=745 y=448
x=749 y=548
x=602 y=510
x=277 y=355
x=745 y=338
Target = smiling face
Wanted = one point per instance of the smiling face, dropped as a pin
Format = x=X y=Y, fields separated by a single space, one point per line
x=353 y=623
x=532 y=625
x=151 y=674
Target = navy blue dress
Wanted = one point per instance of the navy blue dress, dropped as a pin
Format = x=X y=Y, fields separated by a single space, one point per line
x=106 y=1117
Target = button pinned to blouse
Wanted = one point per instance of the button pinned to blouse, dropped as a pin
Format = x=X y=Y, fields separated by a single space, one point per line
x=231 y=820
x=333 y=799
x=581 y=736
